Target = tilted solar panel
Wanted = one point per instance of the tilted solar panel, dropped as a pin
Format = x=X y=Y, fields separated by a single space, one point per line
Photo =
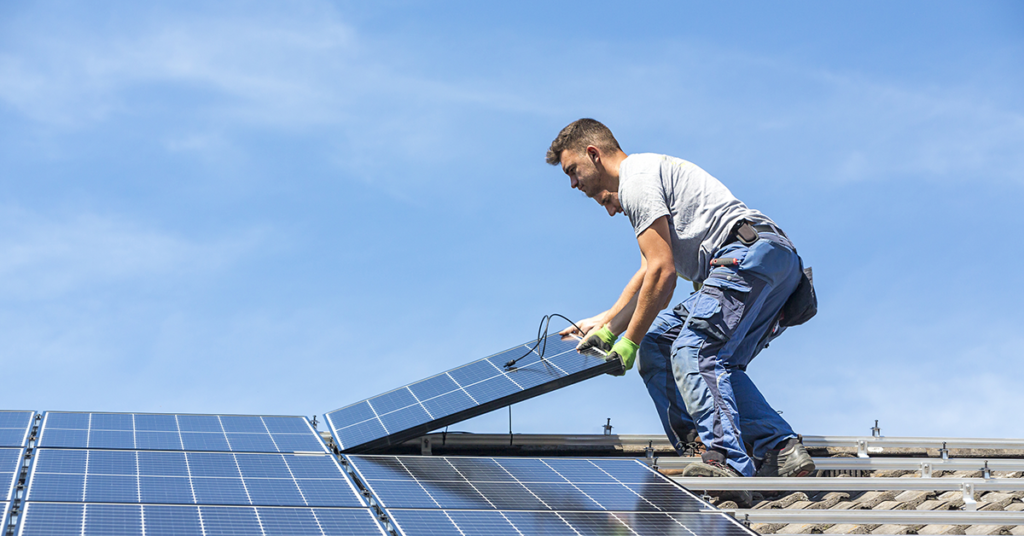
x=539 y=484
x=14 y=427
x=209 y=478
x=5 y=507
x=148 y=431
x=89 y=519
x=10 y=466
x=495 y=523
x=461 y=393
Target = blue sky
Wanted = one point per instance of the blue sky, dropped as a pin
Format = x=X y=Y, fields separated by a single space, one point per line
x=256 y=207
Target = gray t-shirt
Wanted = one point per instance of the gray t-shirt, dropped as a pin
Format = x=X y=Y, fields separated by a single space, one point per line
x=701 y=210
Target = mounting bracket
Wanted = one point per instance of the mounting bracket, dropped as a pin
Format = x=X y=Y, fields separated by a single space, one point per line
x=970 y=504
x=862 y=448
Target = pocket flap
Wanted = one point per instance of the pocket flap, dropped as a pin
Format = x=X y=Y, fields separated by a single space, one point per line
x=703 y=306
x=726 y=279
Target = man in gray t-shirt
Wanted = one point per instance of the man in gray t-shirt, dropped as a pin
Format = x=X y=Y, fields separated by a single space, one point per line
x=693 y=358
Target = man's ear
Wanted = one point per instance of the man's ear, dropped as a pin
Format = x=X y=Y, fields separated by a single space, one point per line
x=593 y=152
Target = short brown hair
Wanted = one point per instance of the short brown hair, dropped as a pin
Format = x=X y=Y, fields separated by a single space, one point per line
x=578 y=135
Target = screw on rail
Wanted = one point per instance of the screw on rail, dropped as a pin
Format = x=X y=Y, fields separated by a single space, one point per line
x=608 y=427
x=875 y=430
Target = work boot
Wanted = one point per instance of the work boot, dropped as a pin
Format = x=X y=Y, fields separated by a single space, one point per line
x=789 y=459
x=714 y=465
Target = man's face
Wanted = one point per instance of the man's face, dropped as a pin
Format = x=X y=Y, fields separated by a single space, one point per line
x=585 y=176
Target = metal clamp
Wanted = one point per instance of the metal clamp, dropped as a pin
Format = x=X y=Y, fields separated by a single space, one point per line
x=926 y=470
x=425 y=449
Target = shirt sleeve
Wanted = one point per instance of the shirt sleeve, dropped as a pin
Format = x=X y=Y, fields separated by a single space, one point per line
x=643 y=200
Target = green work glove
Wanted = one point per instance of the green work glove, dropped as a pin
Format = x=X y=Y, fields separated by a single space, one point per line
x=625 y=350
x=602 y=339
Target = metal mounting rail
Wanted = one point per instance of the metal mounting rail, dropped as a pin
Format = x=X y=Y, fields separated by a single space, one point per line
x=658 y=441
x=878 y=517
x=850 y=484
x=912 y=442
x=925 y=465
x=611 y=440
x=967 y=486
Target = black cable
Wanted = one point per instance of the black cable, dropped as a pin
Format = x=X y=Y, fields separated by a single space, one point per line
x=545 y=321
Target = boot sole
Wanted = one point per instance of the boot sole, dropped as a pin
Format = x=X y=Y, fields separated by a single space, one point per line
x=803 y=470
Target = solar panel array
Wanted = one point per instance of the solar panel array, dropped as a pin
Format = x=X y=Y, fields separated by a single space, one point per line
x=461 y=393
x=493 y=496
x=220 y=478
x=14 y=427
x=10 y=464
x=154 y=474
x=162 y=520
x=231 y=433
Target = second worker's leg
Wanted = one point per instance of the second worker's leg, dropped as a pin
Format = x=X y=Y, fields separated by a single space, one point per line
x=655 y=363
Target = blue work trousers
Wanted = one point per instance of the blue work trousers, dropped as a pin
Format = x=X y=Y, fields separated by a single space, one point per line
x=694 y=358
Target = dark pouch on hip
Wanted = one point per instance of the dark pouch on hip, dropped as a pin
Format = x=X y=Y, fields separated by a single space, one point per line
x=802 y=305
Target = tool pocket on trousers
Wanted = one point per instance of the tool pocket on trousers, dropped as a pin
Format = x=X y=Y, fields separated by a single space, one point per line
x=717 y=311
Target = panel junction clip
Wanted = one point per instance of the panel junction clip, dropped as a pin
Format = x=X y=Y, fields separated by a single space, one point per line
x=425 y=449
x=862 y=448
x=986 y=473
x=649 y=455
x=926 y=470
x=944 y=452
x=875 y=430
x=608 y=427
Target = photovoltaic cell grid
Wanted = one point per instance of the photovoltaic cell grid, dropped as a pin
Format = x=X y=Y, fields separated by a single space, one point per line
x=506 y=523
x=62 y=519
x=10 y=464
x=205 y=478
x=535 y=484
x=458 y=394
x=231 y=433
x=14 y=427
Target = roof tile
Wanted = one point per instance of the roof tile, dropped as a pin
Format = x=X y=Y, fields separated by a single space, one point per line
x=894 y=529
x=943 y=529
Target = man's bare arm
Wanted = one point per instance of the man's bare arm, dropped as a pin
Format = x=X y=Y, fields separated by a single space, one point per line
x=623 y=307
x=658 y=283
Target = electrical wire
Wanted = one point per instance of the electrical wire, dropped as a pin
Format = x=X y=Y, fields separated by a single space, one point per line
x=542 y=337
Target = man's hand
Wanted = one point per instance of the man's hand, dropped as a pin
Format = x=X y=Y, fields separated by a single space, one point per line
x=586 y=326
x=625 y=351
x=602 y=339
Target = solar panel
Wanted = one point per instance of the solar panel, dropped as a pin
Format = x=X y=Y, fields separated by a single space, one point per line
x=458 y=394
x=147 y=431
x=89 y=519
x=5 y=507
x=496 y=523
x=539 y=484
x=14 y=427
x=210 y=478
x=10 y=466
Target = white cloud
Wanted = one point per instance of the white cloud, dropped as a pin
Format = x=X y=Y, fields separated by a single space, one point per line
x=46 y=257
